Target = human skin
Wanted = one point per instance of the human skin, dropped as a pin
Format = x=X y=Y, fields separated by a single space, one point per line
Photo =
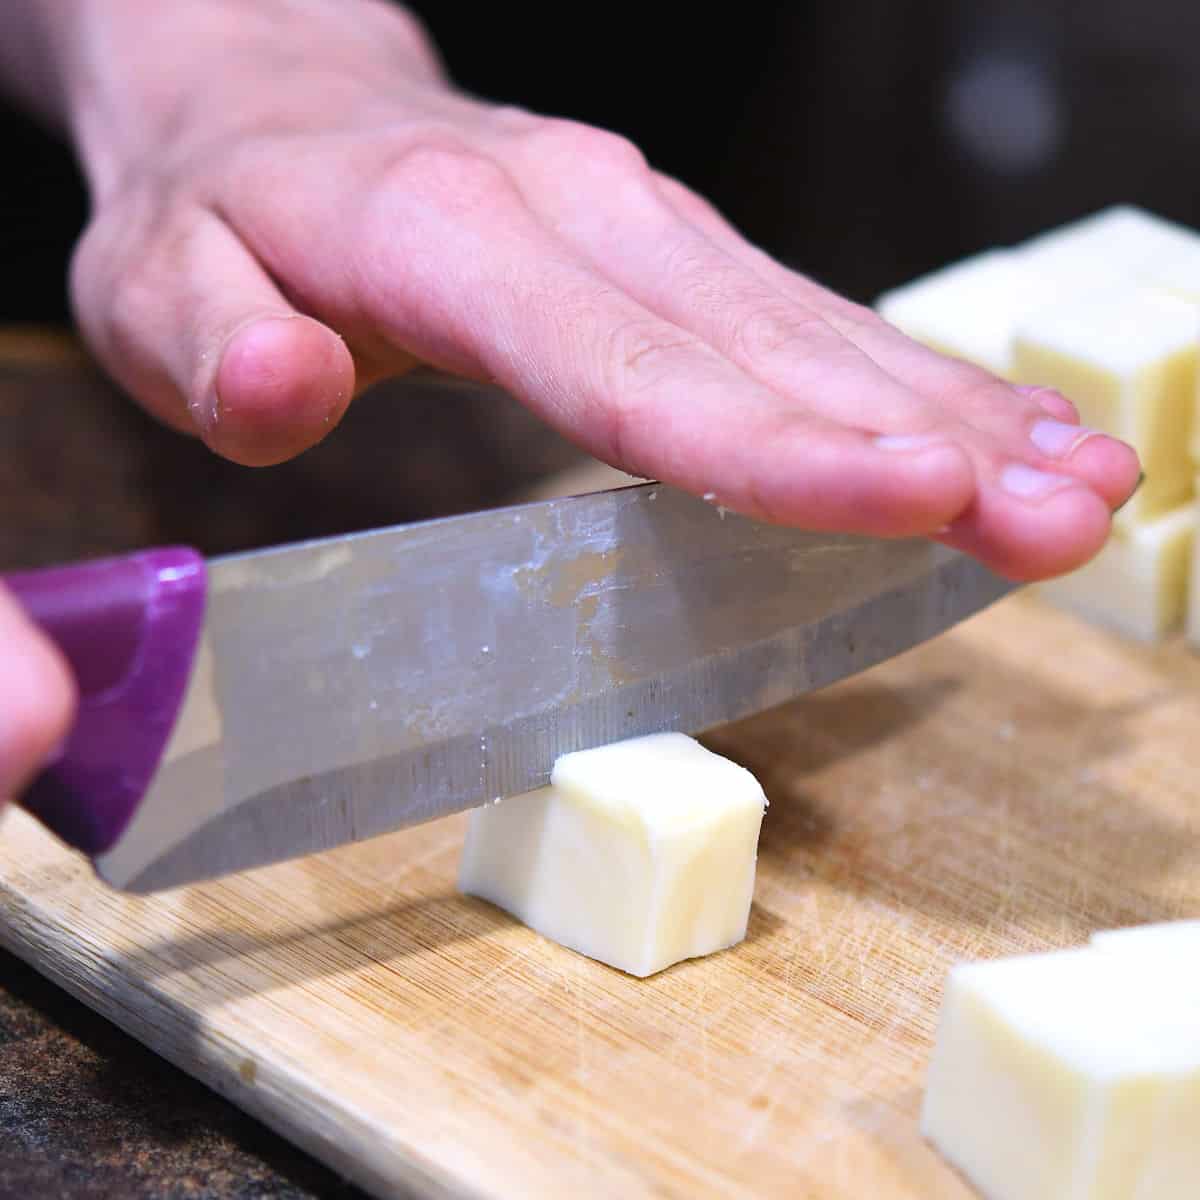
x=290 y=202
x=37 y=698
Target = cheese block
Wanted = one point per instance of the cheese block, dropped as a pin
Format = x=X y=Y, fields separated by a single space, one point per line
x=640 y=853
x=1167 y=941
x=1139 y=583
x=971 y=310
x=1127 y=358
x=966 y=310
x=1193 y=604
x=1176 y=272
x=1106 y=310
x=1123 y=238
x=1068 y=1075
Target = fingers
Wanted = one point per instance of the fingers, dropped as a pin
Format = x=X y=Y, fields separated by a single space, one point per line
x=281 y=385
x=506 y=299
x=37 y=698
x=840 y=362
x=548 y=258
x=1051 y=528
x=198 y=332
x=1013 y=420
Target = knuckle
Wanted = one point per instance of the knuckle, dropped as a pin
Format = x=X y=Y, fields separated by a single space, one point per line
x=858 y=317
x=639 y=356
x=762 y=333
x=512 y=118
x=83 y=275
x=120 y=265
x=561 y=139
x=640 y=351
x=690 y=205
x=445 y=170
x=131 y=301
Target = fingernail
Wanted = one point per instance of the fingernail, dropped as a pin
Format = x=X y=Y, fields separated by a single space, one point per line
x=254 y=331
x=1056 y=439
x=906 y=441
x=1137 y=487
x=1049 y=400
x=1030 y=390
x=1028 y=483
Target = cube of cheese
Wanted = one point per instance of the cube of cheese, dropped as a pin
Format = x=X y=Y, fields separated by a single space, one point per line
x=640 y=853
x=1139 y=583
x=1166 y=941
x=972 y=309
x=967 y=310
x=1067 y=1075
x=1127 y=358
x=1175 y=271
x=1122 y=238
x=1193 y=605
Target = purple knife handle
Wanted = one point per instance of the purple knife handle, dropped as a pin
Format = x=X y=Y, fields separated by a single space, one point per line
x=129 y=628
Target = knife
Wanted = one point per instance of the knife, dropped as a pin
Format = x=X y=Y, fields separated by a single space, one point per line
x=267 y=705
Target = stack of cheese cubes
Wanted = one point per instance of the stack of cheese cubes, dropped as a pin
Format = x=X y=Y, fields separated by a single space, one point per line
x=1076 y=1073
x=1107 y=311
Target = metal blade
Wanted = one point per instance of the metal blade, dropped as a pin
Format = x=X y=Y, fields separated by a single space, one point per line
x=358 y=685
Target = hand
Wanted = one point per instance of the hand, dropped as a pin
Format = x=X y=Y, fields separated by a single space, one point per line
x=291 y=202
x=37 y=698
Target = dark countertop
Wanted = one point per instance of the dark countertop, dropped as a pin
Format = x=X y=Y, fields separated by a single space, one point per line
x=84 y=1110
x=87 y=1112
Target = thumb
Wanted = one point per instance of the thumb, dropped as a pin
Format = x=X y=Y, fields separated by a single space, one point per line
x=37 y=698
x=190 y=323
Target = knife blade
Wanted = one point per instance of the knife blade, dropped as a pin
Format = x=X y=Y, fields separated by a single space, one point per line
x=352 y=686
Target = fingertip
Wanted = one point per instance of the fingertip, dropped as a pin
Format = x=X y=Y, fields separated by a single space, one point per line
x=1110 y=466
x=38 y=698
x=928 y=489
x=1026 y=542
x=1050 y=401
x=283 y=383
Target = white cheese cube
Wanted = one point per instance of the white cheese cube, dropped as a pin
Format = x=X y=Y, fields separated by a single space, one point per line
x=1193 y=605
x=639 y=854
x=1176 y=271
x=1122 y=238
x=1067 y=1075
x=972 y=309
x=1171 y=943
x=1121 y=241
x=1139 y=583
x=967 y=310
x=1127 y=358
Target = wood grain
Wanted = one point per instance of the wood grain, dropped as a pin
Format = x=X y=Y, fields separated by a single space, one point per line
x=1011 y=785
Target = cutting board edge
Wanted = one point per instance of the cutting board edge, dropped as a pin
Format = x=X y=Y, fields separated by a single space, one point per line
x=345 y=1150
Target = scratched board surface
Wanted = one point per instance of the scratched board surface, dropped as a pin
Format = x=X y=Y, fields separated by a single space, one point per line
x=1012 y=785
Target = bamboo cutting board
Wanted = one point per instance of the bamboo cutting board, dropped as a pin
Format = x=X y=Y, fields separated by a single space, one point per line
x=1011 y=785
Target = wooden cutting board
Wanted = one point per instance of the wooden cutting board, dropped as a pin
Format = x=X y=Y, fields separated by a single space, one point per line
x=1012 y=785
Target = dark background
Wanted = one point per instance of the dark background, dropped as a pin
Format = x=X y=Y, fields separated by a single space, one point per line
x=862 y=140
